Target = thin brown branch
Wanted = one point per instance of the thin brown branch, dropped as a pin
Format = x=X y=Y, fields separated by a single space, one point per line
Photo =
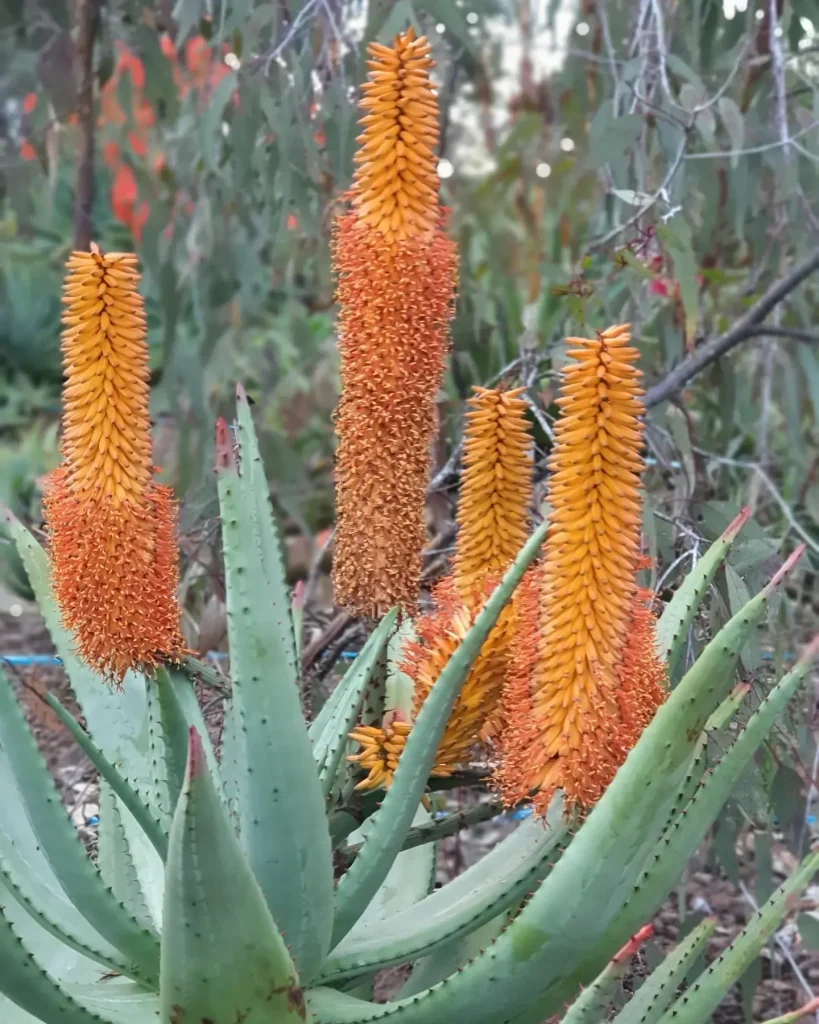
x=749 y=325
x=87 y=17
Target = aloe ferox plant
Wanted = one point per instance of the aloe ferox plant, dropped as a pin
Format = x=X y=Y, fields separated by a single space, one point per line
x=260 y=880
x=213 y=897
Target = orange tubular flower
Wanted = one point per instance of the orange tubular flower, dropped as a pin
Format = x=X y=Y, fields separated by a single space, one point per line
x=496 y=488
x=111 y=528
x=493 y=512
x=396 y=284
x=596 y=681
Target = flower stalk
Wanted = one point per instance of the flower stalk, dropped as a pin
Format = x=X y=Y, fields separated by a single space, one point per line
x=396 y=284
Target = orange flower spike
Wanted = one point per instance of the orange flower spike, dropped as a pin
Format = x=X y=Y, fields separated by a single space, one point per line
x=396 y=284
x=111 y=528
x=496 y=485
x=586 y=710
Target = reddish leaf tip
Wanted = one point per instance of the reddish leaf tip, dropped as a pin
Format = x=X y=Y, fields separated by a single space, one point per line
x=224 y=448
x=786 y=567
x=241 y=394
x=736 y=524
x=196 y=754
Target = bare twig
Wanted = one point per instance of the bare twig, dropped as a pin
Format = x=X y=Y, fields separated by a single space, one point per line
x=718 y=154
x=774 y=331
x=266 y=59
x=87 y=21
x=746 y=327
x=603 y=17
x=778 y=68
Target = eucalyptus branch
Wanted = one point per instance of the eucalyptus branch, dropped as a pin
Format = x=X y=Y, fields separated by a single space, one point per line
x=749 y=325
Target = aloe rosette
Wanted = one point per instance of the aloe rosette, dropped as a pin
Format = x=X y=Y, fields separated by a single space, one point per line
x=213 y=895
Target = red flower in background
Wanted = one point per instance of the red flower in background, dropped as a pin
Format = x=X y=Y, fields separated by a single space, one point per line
x=29 y=102
x=27 y=151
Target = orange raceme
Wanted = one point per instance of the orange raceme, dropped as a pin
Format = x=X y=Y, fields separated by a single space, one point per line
x=596 y=681
x=396 y=183
x=496 y=485
x=396 y=287
x=493 y=514
x=111 y=527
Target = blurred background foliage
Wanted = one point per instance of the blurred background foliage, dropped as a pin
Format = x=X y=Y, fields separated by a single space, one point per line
x=651 y=161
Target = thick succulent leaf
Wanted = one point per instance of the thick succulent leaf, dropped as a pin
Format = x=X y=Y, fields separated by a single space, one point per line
x=102 y=996
x=114 y=859
x=681 y=840
x=392 y=821
x=39 y=894
x=591 y=1006
x=150 y=867
x=268 y=762
x=329 y=747
x=410 y=879
x=129 y=797
x=117 y=720
x=223 y=958
x=22 y=764
x=11 y=1013
x=579 y=905
x=24 y=982
x=496 y=882
x=256 y=492
x=702 y=998
x=679 y=613
x=657 y=993
x=451 y=956
x=179 y=711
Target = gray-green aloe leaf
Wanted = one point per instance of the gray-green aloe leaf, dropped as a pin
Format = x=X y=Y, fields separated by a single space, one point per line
x=657 y=993
x=527 y=963
x=392 y=821
x=702 y=998
x=22 y=767
x=223 y=958
x=496 y=882
x=679 y=613
x=329 y=746
x=267 y=759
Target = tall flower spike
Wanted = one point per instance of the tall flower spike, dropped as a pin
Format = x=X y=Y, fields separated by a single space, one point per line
x=111 y=528
x=596 y=681
x=496 y=485
x=396 y=284
x=493 y=514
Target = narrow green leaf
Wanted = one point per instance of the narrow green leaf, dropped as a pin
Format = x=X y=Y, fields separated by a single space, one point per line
x=120 y=785
x=62 y=846
x=265 y=533
x=708 y=991
x=114 y=859
x=25 y=982
x=681 y=840
x=530 y=955
x=677 y=236
x=496 y=882
x=268 y=763
x=656 y=994
x=329 y=748
x=679 y=613
x=393 y=819
x=223 y=958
